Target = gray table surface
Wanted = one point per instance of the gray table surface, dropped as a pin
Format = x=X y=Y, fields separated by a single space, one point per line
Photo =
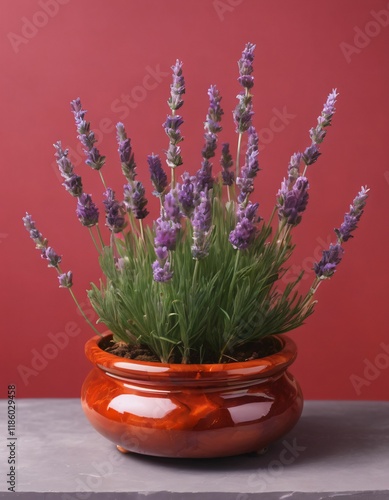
x=337 y=450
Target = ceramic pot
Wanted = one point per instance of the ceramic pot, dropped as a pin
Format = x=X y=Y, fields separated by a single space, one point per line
x=193 y=411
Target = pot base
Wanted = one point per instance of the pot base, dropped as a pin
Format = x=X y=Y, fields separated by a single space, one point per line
x=192 y=411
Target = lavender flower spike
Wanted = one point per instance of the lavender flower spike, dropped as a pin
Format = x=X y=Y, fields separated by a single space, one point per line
x=158 y=175
x=166 y=232
x=353 y=216
x=125 y=153
x=177 y=88
x=330 y=259
x=171 y=207
x=86 y=136
x=134 y=199
x=87 y=212
x=73 y=182
x=245 y=65
x=329 y=109
x=66 y=280
x=243 y=113
x=171 y=126
x=215 y=112
x=294 y=167
x=201 y=222
x=115 y=220
x=318 y=133
x=244 y=233
x=162 y=274
x=187 y=194
x=250 y=169
x=311 y=154
x=293 y=202
x=35 y=235
x=226 y=162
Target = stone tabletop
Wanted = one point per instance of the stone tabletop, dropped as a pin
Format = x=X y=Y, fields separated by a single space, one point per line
x=337 y=450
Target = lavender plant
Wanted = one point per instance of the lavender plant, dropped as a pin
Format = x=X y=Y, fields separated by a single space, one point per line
x=205 y=279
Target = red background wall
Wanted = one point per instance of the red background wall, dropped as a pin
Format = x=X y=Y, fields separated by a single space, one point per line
x=102 y=50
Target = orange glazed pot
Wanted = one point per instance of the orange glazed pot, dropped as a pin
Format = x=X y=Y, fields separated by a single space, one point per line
x=194 y=410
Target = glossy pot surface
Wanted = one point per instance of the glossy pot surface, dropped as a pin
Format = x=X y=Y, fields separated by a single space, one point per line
x=192 y=411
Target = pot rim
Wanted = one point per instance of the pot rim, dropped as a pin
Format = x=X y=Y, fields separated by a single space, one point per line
x=174 y=372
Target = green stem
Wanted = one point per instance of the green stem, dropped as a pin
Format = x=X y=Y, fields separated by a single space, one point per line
x=232 y=284
x=59 y=271
x=100 y=237
x=82 y=312
x=141 y=230
x=102 y=180
x=94 y=240
x=272 y=215
x=195 y=273
x=173 y=177
x=308 y=299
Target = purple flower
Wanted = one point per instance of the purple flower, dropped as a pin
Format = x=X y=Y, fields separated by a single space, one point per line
x=243 y=113
x=250 y=169
x=162 y=274
x=66 y=280
x=186 y=193
x=87 y=212
x=73 y=185
x=171 y=207
x=64 y=164
x=53 y=258
x=292 y=202
x=317 y=134
x=328 y=109
x=294 y=167
x=166 y=233
x=204 y=179
x=125 y=153
x=243 y=234
x=215 y=112
x=226 y=162
x=114 y=213
x=173 y=156
x=158 y=175
x=352 y=218
x=311 y=154
x=245 y=65
x=249 y=212
x=201 y=223
x=134 y=199
x=86 y=136
x=172 y=128
x=210 y=145
x=35 y=235
x=177 y=88
x=330 y=259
